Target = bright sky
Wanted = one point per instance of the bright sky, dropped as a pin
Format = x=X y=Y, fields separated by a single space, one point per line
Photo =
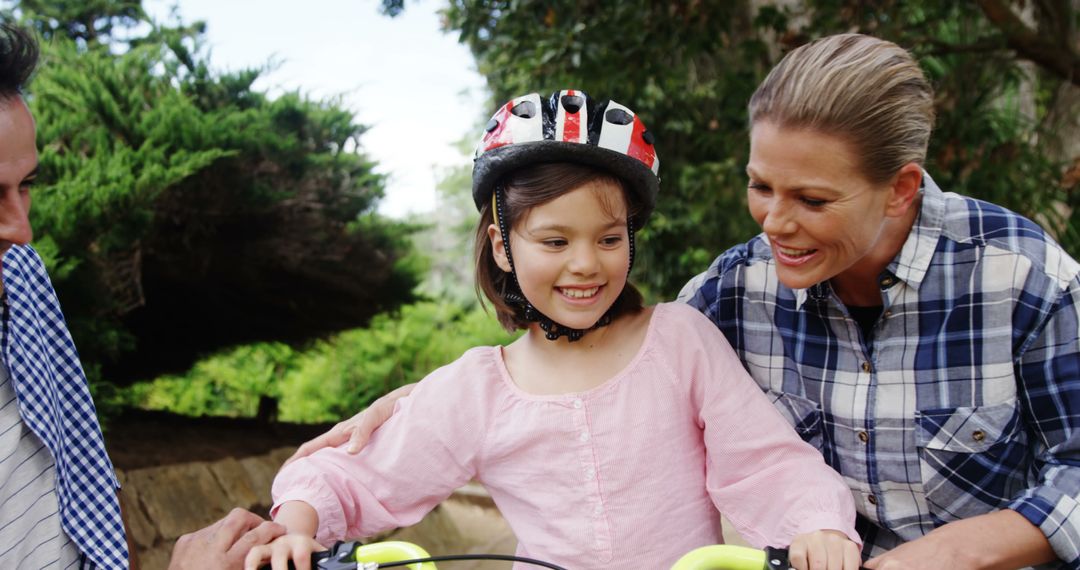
x=414 y=86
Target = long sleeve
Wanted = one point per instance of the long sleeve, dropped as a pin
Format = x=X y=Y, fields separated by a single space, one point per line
x=1048 y=378
x=425 y=451
x=768 y=482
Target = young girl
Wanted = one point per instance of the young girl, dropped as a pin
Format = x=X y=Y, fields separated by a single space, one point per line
x=610 y=435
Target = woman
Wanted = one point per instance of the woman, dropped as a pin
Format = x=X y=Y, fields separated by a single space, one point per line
x=925 y=342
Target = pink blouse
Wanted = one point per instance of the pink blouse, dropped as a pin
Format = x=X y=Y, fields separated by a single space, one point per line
x=631 y=474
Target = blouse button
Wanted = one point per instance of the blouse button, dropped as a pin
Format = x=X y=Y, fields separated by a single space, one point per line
x=598 y=510
x=578 y=404
x=887 y=313
x=590 y=473
x=584 y=436
x=864 y=437
x=978 y=435
x=866 y=367
x=872 y=499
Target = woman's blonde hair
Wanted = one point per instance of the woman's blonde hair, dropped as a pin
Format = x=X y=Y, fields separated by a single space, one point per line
x=868 y=91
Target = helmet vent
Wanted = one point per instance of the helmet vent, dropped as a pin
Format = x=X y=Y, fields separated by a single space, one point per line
x=492 y=125
x=572 y=103
x=618 y=117
x=524 y=109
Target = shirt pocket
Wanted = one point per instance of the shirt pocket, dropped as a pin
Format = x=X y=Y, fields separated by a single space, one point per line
x=803 y=414
x=972 y=459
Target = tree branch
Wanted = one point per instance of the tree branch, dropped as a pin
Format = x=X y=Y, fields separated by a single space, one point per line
x=1055 y=54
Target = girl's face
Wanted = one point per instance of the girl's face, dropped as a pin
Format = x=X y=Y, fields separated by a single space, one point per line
x=822 y=216
x=571 y=254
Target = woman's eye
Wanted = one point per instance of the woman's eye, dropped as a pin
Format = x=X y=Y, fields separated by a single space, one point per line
x=813 y=202
x=758 y=187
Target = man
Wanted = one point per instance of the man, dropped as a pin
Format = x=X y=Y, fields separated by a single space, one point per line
x=58 y=501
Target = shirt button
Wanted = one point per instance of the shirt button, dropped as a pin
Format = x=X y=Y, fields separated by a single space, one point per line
x=864 y=437
x=866 y=367
x=578 y=403
x=978 y=435
x=590 y=473
x=887 y=314
x=584 y=436
x=872 y=499
x=887 y=281
x=598 y=510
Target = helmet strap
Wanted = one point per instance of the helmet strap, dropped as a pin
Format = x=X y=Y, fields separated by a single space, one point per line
x=515 y=298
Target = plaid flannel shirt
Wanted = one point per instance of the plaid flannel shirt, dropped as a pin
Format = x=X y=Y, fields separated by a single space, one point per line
x=55 y=403
x=967 y=397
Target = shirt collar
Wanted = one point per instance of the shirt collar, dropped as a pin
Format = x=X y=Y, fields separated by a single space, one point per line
x=911 y=264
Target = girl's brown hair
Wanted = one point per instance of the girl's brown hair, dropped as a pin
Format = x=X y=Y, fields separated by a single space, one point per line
x=523 y=190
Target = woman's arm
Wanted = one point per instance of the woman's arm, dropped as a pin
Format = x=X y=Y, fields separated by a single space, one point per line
x=356 y=430
x=1048 y=388
x=1002 y=540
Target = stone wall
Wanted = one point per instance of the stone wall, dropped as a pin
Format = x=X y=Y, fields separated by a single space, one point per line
x=163 y=502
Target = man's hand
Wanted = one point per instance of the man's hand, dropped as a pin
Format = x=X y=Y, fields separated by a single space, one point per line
x=225 y=543
x=357 y=429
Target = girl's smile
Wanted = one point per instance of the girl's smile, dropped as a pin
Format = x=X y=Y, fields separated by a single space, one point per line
x=580 y=293
x=571 y=255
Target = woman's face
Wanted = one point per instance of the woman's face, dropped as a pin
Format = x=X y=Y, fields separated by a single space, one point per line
x=571 y=254
x=822 y=216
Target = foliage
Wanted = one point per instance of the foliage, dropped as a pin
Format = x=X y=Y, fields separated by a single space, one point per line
x=183 y=211
x=331 y=379
x=688 y=67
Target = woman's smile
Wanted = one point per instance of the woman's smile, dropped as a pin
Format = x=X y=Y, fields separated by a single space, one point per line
x=793 y=256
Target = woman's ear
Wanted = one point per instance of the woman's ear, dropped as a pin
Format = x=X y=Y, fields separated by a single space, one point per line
x=498 y=248
x=905 y=187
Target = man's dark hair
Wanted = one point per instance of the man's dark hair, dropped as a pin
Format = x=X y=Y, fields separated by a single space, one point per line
x=18 y=58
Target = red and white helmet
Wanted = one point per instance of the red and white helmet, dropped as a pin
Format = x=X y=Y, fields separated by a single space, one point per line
x=568 y=127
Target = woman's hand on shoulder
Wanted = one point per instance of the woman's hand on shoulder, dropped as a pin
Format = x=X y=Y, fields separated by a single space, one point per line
x=824 y=550
x=295 y=547
x=357 y=429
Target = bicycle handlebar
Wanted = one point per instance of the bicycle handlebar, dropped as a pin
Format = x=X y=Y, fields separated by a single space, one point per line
x=352 y=556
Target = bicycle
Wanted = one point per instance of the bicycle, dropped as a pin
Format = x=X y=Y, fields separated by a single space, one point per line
x=353 y=555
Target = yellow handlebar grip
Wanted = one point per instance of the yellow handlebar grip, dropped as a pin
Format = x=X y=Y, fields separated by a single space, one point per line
x=722 y=557
x=394 y=551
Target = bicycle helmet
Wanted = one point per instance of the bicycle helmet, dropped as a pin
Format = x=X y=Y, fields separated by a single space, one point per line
x=568 y=127
x=527 y=131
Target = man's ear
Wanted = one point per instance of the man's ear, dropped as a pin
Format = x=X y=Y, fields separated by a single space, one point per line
x=904 y=188
x=498 y=248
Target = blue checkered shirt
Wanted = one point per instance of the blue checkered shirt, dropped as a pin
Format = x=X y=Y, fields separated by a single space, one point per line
x=966 y=399
x=55 y=403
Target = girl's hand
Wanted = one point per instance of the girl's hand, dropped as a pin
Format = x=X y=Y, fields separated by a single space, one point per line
x=357 y=429
x=295 y=547
x=824 y=550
